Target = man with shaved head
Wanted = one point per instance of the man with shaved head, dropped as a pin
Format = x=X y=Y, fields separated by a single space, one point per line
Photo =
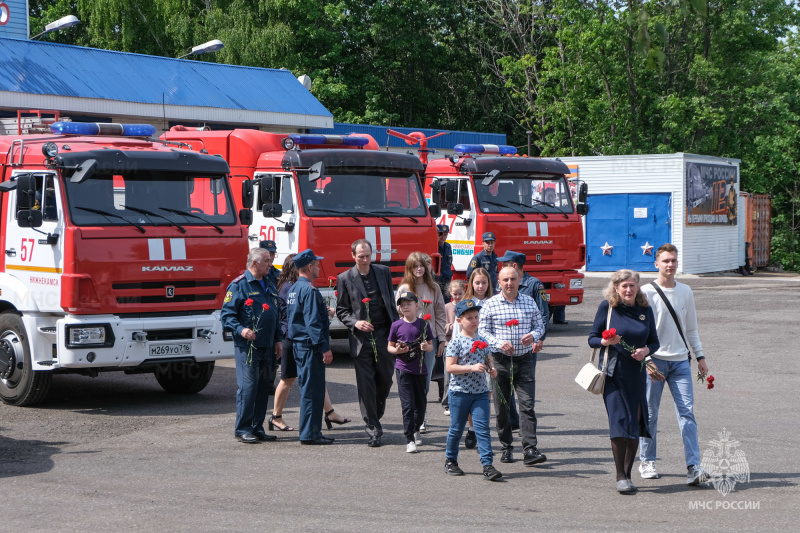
x=513 y=326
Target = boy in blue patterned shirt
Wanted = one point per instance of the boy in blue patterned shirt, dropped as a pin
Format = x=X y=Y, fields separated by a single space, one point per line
x=468 y=357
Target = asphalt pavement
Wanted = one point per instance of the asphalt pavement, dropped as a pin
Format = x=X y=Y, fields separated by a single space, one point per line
x=116 y=453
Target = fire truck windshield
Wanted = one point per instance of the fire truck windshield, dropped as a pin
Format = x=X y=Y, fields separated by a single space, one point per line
x=373 y=193
x=150 y=199
x=525 y=194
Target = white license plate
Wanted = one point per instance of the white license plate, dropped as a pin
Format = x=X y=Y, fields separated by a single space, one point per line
x=547 y=297
x=171 y=349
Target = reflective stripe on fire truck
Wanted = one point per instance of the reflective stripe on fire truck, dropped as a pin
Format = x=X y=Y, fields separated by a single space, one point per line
x=384 y=246
x=177 y=249
x=543 y=230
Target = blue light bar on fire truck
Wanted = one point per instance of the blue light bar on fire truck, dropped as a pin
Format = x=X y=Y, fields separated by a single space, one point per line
x=97 y=128
x=500 y=149
x=341 y=140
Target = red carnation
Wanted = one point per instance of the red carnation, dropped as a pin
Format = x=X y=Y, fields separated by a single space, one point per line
x=248 y=302
x=710 y=379
x=512 y=322
x=265 y=307
x=366 y=300
x=475 y=346
x=336 y=293
x=427 y=302
x=426 y=317
x=610 y=333
x=710 y=385
x=331 y=279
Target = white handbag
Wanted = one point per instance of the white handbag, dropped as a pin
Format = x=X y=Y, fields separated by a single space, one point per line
x=590 y=377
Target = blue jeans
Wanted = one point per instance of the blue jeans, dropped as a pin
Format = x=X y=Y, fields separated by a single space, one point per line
x=678 y=376
x=462 y=404
x=253 y=384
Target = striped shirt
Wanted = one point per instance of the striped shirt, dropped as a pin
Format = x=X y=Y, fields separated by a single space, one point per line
x=497 y=311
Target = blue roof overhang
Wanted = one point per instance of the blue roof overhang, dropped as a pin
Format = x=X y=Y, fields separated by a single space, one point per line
x=42 y=75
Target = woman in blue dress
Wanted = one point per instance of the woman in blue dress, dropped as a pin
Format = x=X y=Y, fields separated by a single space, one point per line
x=625 y=385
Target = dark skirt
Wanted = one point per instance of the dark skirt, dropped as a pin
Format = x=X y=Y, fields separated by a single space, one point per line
x=625 y=396
x=288 y=365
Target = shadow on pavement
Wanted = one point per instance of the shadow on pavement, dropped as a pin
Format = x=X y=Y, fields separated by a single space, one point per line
x=26 y=457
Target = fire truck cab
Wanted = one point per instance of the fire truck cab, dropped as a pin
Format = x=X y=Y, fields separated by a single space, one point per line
x=325 y=191
x=526 y=202
x=118 y=252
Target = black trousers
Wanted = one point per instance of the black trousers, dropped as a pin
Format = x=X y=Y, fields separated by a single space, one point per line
x=521 y=371
x=411 y=389
x=374 y=380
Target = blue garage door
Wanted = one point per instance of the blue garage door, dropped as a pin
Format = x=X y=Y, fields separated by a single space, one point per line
x=625 y=230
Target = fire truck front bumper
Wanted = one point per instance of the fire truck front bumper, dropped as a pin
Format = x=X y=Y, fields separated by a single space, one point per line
x=111 y=341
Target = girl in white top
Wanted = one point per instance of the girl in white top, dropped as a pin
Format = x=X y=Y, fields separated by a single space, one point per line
x=479 y=287
x=457 y=290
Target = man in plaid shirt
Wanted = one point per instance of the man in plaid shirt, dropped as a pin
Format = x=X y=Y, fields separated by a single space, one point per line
x=512 y=325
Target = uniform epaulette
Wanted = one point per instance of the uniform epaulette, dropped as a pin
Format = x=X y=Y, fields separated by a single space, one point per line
x=238 y=278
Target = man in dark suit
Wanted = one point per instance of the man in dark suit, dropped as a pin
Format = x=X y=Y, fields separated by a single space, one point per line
x=368 y=323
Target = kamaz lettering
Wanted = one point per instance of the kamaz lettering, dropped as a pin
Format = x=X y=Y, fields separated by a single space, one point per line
x=167 y=269
x=537 y=242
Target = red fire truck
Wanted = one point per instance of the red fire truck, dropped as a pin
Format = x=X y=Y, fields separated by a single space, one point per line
x=118 y=251
x=526 y=202
x=325 y=191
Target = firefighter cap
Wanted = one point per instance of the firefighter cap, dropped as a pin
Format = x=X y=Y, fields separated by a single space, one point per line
x=442 y=228
x=407 y=296
x=488 y=236
x=268 y=246
x=304 y=258
x=512 y=257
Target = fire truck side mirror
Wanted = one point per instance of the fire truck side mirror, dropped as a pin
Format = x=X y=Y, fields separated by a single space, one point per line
x=451 y=192
x=583 y=193
x=582 y=209
x=436 y=190
x=26 y=192
x=435 y=210
x=272 y=210
x=246 y=217
x=248 y=192
x=268 y=187
x=455 y=209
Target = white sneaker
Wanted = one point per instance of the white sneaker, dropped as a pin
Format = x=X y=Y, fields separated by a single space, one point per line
x=422 y=428
x=446 y=411
x=418 y=438
x=411 y=448
x=696 y=475
x=647 y=469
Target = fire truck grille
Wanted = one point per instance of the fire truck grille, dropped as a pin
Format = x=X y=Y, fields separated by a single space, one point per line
x=167 y=291
x=187 y=284
x=165 y=299
x=169 y=334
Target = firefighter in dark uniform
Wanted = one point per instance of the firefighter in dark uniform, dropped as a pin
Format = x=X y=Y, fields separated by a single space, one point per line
x=250 y=312
x=309 y=331
x=530 y=286
x=446 y=253
x=486 y=259
x=274 y=273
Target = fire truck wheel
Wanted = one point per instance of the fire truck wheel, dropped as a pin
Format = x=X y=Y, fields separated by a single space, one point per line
x=184 y=378
x=19 y=383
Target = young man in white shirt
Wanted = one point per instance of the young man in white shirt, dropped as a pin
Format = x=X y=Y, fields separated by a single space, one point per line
x=673 y=360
